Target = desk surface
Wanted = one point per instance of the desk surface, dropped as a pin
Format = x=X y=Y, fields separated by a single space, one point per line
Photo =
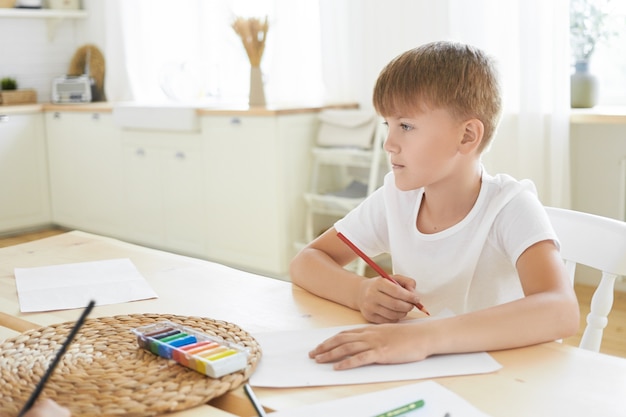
x=549 y=379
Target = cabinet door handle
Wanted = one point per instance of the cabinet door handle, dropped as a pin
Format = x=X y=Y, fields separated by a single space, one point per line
x=140 y=152
x=236 y=121
x=57 y=115
x=95 y=116
x=180 y=155
x=4 y=118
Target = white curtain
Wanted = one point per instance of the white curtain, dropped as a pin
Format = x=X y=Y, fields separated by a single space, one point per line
x=187 y=51
x=530 y=41
x=359 y=37
x=117 y=85
x=187 y=48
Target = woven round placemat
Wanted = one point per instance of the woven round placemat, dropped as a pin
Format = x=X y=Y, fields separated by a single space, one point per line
x=104 y=372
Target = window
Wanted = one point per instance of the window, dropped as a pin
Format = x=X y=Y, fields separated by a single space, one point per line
x=608 y=62
x=186 y=50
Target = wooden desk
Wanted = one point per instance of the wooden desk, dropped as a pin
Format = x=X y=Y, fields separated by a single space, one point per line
x=549 y=379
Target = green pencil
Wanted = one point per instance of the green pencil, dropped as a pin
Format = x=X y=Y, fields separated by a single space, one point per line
x=402 y=410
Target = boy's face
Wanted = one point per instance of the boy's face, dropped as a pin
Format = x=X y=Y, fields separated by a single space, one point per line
x=423 y=148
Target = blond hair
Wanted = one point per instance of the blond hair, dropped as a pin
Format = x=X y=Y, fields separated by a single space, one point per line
x=442 y=75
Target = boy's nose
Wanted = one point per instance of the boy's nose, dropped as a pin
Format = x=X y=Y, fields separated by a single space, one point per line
x=388 y=144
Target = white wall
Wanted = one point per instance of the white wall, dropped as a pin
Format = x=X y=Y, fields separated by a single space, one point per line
x=34 y=55
x=29 y=56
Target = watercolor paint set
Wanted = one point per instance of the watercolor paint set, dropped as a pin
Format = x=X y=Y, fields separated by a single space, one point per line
x=209 y=355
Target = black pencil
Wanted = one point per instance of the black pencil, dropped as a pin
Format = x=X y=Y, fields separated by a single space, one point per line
x=255 y=402
x=35 y=394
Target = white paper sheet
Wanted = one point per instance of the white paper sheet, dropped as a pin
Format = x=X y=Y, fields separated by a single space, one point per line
x=438 y=402
x=285 y=363
x=67 y=286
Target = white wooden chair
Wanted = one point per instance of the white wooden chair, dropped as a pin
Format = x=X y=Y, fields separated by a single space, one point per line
x=597 y=242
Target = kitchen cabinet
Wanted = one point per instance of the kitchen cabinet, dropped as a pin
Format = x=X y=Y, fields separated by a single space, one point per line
x=164 y=190
x=598 y=167
x=85 y=160
x=23 y=172
x=598 y=170
x=229 y=190
x=256 y=173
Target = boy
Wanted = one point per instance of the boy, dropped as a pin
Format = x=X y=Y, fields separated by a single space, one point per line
x=461 y=240
x=47 y=408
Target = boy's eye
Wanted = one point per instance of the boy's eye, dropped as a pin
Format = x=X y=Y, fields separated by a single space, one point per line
x=405 y=127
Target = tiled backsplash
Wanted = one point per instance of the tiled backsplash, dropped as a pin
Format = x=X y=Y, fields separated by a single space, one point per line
x=33 y=55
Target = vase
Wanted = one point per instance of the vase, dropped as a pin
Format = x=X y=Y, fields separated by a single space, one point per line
x=583 y=87
x=257 y=95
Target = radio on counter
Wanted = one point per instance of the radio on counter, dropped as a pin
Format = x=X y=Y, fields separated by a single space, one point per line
x=72 y=89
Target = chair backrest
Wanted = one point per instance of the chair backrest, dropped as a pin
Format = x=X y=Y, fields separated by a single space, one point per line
x=597 y=242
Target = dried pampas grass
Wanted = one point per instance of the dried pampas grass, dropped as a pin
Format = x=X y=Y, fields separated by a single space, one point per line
x=253 y=33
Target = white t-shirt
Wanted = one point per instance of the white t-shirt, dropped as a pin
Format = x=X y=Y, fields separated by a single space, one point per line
x=466 y=267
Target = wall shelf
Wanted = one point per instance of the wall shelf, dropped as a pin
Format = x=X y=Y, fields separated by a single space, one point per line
x=43 y=13
x=54 y=17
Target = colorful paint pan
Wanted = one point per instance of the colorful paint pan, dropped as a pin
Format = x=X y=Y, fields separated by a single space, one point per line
x=182 y=339
x=194 y=349
x=182 y=354
x=157 y=340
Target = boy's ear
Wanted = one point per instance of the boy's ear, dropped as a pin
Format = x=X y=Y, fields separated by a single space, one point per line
x=472 y=136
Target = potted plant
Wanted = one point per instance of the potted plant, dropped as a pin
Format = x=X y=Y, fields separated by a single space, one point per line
x=9 y=93
x=588 y=27
x=8 y=83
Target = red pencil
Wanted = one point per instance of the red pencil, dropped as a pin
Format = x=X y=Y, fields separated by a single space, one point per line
x=375 y=266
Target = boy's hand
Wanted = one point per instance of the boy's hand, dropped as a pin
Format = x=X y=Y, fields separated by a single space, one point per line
x=382 y=301
x=382 y=344
x=47 y=408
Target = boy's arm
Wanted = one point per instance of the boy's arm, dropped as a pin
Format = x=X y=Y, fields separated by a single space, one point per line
x=318 y=268
x=549 y=311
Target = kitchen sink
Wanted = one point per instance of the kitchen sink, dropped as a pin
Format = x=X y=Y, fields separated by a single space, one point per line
x=169 y=116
